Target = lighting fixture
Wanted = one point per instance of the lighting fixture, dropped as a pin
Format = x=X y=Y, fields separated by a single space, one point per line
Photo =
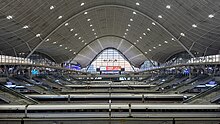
x=94 y=33
x=60 y=17
x=82 y=41
x=85 y=13
x=137 y=40
x=144 y=33
x=54 y=42
x=25 y=27
x=71 y=29
x=61 y=45
x=74 y=52
x=159 y=45
x=140 y=37
x=134 y=13
x=75 y=34
x=37 y=35
x=131 y=20
x=160 y=16
x=211 y=16
x=125 y=33
x=70 y=50
x=85 y=43
x=172 y=39
x=82 y=4
x=194 y=25
x=134 y=42
x=165 y=42
x=182 y=34
x=168 y=6
x=47 y=39
x=153 y=23
x=137 y=4
x=127 y=30
x=148 y=29
x=66 y=48
x=123 y=36
x=93 y=29
x=149 y=49
x=129 y=25
x=66 y=24
x=51 y=7
x=145 y=52
x=96 y=36
x=9 y=17
x=154 y=47
x=88 y=20
x=79 y=38
x=90 y=25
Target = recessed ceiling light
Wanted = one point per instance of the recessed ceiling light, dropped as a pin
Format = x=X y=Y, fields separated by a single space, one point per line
x=172 y=39
x=26 y=26
x=137 y=4
x=144 y=33
x=154 y=47
x=211 y=16
x=194 y=25
x=153 y=23
x=96 y=36
x=54 y=42
x=145 y=52
x=79 y=38
x=37 y=35
x=125 y=33
x=127 y=30
x=71 y=29
x=137 y=40
x=66 y=48
x=159 y=45
x=75 y=34
x=66 y=24
x=94 y=33
x=140 y=37
x=123 y=36
x=85 y=43
x=160 y=16
x=165 y=42
x=85 y=13
x=88 y=20
x=168 y=6
x=61 y=45
x=47 y=39
x=51 y=7
x=9 y=17
x=74 y=52
x=129 y=25
x=149 y=49
x=70 y=50
x=131 y=20
x=148 y=29
x=82 y=4
x=60 y=17
x=182 y=34
x=134 y=13
x=93 y=29
x=90 y=25
x=82 y=41
x=134 y=42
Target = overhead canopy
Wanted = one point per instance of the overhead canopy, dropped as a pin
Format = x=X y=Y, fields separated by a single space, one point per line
x=79 y=29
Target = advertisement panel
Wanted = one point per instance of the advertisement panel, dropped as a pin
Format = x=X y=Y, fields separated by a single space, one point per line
x=110 y=68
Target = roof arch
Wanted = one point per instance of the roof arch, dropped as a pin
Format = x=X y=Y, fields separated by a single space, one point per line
x=90 y=51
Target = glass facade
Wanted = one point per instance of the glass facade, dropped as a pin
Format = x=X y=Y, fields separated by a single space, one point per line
x=110 y=57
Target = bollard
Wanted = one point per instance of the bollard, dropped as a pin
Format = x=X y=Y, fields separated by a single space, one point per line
x=68 y=98
x=143 y=98
x=25 y=111
x=129 y=105
x=110 y=109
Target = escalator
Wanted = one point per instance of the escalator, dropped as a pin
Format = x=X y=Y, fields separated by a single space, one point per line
x=38 y=86
x=205 y=97
x=10 y=96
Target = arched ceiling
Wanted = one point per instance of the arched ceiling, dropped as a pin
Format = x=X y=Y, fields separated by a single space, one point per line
x=65 y=29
